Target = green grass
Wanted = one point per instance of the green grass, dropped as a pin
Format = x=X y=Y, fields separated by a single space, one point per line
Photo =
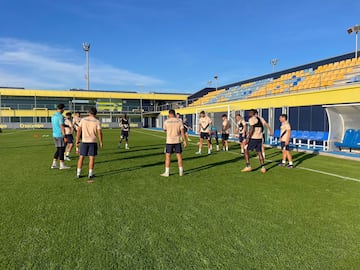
x=214 y=217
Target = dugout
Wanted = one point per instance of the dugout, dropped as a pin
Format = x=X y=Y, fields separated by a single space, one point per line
x=341 y=117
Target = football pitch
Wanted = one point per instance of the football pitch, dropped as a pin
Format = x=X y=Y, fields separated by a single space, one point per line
x=214 y=217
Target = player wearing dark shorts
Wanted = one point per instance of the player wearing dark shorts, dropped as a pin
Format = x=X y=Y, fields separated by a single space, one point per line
x=69 y=129
x=285 y=135
x=241 y=130
x=204 y=130
x=254 y=141
x=125 y=129
x=90 y=131
x=214 y=134
x=186 y=129
x=174 y=132
x=225 y=132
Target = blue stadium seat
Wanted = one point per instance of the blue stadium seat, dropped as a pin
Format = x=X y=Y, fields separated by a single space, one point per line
x=347 y=140
x=355 y=144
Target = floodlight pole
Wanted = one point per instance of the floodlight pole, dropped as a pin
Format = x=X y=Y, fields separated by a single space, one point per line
x=356 y=30
x=274 y=62
x=86 y=48
x=216 y=77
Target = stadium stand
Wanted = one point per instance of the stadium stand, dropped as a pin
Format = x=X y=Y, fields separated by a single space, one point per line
x=309 y=77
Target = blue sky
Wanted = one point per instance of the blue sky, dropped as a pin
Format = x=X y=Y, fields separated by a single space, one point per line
x=165 y=46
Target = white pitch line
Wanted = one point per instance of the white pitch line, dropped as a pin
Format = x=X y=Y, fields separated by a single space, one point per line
x=302 y=168
x=329 y=174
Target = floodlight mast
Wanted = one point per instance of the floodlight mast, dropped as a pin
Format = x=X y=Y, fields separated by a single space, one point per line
x=86 y=48
x=355 y=29
x=274 y=62
x=216 y=77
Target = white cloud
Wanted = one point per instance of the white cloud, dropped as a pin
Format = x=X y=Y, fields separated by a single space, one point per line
x=33 y=65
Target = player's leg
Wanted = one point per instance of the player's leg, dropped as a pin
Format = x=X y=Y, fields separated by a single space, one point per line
x=283 y=162
x=178 y=151
x=79 y=166
x=127 y=141
x=69 y=146
x=56 y=156
x=217 y=142
x=61 y=145
x=91 y=167
x=120 y=139
x=168 y=151
x=261 y=156
x=200 y=145
x=247 y=159
x=208 y=143
x=289 y=158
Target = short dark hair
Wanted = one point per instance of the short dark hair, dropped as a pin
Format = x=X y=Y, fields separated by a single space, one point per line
x=202 y=112
x=238 y=114
x=178 y=114
x=172 y=112
x=77 y=112
x=60 y=106
x=68 y=114
x=254 y=111
x=224 y=115
x=284 y=115
x=93 y=111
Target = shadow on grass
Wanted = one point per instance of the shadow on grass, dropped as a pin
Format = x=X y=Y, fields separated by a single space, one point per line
x=211 y=165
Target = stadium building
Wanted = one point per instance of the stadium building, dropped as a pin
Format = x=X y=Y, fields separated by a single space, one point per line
x=24 y=108
x=322 y=100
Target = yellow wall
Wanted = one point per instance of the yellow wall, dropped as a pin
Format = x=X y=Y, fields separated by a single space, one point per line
x=348 y=94
x=90 y=94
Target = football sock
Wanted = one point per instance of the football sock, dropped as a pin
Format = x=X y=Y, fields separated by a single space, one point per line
x=181 y=170
x=78 y=171
x=247 y=164
x=90 y=172
x=167 y=170
x=54 y=162
x=67 y=154
x=284 y=161
x=290 y=163
x=263 y=153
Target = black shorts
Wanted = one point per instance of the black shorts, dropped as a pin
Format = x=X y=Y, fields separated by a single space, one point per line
x=241 y=138
x=255 y=144
x=284 y=146
x=124 y=134
x=88 y=149
x=204 y=135
x=225 y=137
x=185 y=130
x=70 y=138
x=173 y=148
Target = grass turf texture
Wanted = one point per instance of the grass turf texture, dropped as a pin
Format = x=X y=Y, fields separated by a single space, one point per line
x=214 y=217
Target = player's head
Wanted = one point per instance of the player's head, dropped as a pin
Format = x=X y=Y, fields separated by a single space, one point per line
x=124 y=116
x=77 y=114
x=93 y=111
x=68 y=115
x=61 y=107
x=171 y=113
x=224 y=116
x=252 y=113
x=238 y=117
x=256 y=113
x=202 y=114
x=178 y=115
x=283 y=118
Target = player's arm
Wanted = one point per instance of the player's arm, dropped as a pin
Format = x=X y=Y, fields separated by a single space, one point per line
x=288 y=136
x=244 y=129
x=78 y=134
x=100 y=137
x=266 y=124
x=251 y=132
x=183 y=136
